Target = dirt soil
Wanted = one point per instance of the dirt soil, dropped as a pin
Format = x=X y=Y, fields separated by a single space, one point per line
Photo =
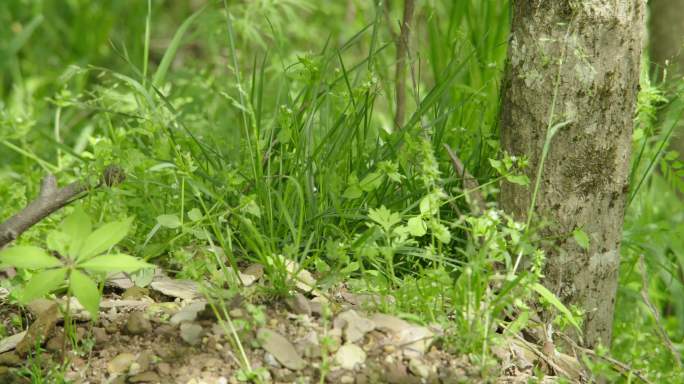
x=168 y=333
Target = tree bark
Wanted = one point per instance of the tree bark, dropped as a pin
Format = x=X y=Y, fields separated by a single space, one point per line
x=575 y=62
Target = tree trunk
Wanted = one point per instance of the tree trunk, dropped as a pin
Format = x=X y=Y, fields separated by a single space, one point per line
x=575 y=62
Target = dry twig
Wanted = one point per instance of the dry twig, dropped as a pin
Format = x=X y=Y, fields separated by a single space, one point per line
x=50 y=199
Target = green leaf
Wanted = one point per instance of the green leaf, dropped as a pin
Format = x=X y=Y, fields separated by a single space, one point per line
x=429 y=205
x=441 y=232
x=518 y=179
x=115 y=263
x=58 y=241
x=581 y=238
x=416 y=226
x=41 y=284
x=85 y=290
x=372 y=181
x=104 y=238
x=195 y=214
x=352 y=192
x=28 y=257
x=170 y=53
x=169 y=221
x=553 y=300
x=384 y=217
x=77 y=226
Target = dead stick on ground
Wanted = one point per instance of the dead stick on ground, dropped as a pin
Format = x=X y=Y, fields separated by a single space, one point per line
x=400 y=72
x=470 y=184
x=50 y=199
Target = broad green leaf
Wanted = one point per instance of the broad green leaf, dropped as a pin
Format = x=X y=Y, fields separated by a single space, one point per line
x=416 y=226
x=581 y=238
x=169 y=221
x=195 y=214
x=104 y=238
x=41 y=284
x=28 y=257
x=114 y=263
x=553 y=300
x=372 y=181
x=85 y=290
x=77 y=226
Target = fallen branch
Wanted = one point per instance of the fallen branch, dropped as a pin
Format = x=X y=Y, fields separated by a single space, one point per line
x=50 y=199
x=471 y=188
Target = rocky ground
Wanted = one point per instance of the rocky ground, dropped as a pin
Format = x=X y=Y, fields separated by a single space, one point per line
x=168 y=333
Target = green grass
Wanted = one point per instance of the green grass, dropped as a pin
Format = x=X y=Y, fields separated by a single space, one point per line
x=265 y=128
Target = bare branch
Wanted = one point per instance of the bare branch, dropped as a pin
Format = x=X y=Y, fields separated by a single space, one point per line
x=51 y=199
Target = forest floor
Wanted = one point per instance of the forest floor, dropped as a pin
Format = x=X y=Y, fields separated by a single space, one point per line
x=168 y=333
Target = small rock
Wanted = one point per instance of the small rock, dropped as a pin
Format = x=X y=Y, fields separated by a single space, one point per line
x=120 y=363
x=256 y=270
x=283 y=375
x=398 y=373
x=281 y=349
x=10 y=359
x=100 y=335
x=354 y=325
x=137 y=324
x=182 y=289
x=309 y=345
x=145 y=377
x=349 y=356
x=414 y=340
x=191 y=333
x=419 y=368
x=346 y=379
x=271 y=361
x=188 y=312
x=56 y=342
x=164 y=369
x=38 y=306
x=389 y=323
x=145 y=359
x=299 y=304
x=40 y=330
x=165 y=330
x=10 y=342
x=135 y=293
